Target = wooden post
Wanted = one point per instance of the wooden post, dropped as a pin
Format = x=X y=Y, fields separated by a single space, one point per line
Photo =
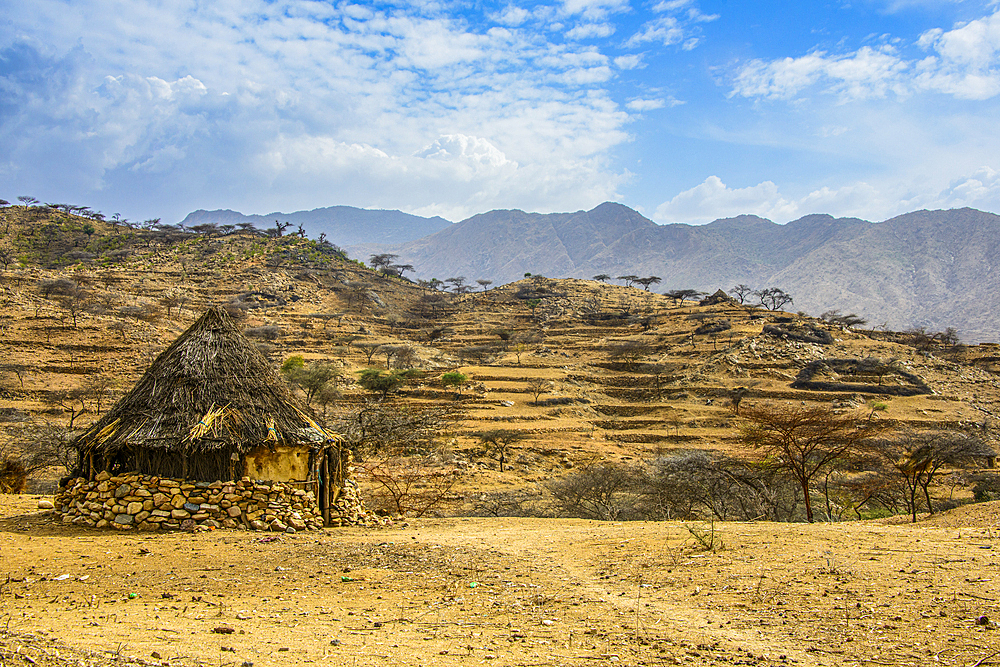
x=325 y=488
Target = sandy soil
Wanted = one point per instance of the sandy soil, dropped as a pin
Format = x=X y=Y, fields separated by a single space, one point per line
x=504 y=592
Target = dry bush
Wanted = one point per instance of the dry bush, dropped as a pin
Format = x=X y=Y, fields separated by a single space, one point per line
x=601 y=490
x=407 y=485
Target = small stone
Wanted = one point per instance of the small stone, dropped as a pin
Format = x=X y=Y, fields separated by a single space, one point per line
x=133 y=507
x=234 y=511
x=191 y=507
x=188 y=525
x=180 y=514
x=124 y=519
x=46 y=505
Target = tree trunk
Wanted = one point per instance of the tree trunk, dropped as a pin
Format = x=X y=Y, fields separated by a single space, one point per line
x=805 y=495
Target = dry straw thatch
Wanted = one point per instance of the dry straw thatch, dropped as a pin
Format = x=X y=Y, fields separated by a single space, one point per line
x=203 y=404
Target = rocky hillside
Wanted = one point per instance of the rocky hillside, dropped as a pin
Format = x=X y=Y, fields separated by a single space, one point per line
x=582 y=372
x=933 y=269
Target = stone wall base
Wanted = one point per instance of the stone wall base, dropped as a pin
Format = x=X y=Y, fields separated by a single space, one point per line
x=133 y=501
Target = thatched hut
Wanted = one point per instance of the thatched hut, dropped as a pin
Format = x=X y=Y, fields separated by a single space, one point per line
x=212 y=408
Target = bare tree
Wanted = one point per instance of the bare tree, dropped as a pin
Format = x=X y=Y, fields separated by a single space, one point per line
x=369 y=350
x=70 y=400
x=538 y=386
x=741 y=292
x=98 y=386
x=629 y=352
x=602 y=491
x=74 y=302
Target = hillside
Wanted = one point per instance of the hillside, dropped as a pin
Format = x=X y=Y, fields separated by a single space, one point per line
x=585 y=373
x=930 y=269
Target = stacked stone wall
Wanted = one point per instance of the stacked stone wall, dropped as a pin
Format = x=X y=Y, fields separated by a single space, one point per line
x=141 y=502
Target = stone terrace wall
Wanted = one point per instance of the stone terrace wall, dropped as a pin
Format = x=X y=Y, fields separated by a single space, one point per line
x=141 y=502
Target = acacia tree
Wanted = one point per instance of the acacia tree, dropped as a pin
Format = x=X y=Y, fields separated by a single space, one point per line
x=382 y=260
x=455 y=379
x=629 y=279
x=602 y=277
x=805 y=440
x=773 y=298
x=458 y=284
x=498 y=442
x=680 y=295
x=646 y=282
x=379 y=382
x=918 y=456
x=838 y=318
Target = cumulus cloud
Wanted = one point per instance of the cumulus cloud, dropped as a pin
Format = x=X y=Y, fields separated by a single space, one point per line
x=250 y=104
x=713 y=199
x=963 y=62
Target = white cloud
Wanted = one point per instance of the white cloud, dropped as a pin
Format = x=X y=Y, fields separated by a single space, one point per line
x=678 y=27
x=864 y=74
x=248 y=105
x=589 y=30
x=645 y=105
x=981 y=189
x=712 y=199
x=594 y=9
x=513 y=16
x=665 y=29
x=632 y=61
x=963 y=62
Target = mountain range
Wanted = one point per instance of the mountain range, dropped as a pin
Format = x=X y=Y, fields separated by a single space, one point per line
x=933 y=269
x=343 y=225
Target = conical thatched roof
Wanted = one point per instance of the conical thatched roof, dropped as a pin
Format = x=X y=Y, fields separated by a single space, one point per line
x=209 y=395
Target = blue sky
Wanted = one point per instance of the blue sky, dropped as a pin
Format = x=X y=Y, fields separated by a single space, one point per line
x=686 y=110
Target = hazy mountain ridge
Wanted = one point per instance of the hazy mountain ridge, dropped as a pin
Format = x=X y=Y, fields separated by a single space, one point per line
x=343 y=225
x=927 y=268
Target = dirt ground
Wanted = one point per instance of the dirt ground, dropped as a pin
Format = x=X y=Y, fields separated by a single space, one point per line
x=504 y=592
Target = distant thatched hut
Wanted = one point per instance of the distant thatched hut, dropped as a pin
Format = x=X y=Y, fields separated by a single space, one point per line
x=211 y=408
